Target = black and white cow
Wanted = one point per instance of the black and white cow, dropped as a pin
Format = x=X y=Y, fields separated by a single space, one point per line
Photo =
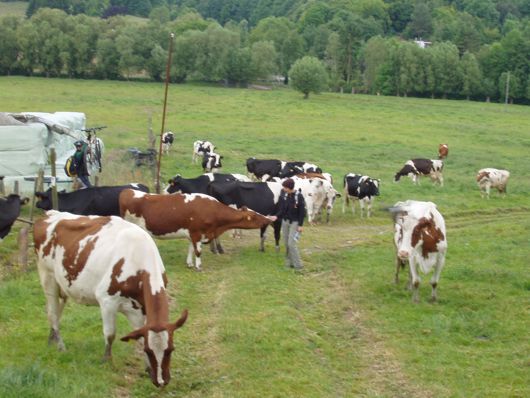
x=363 y=188
x=262 y=197
x=93 y=201
x=264 y=169
x=200 y=148
x=418 y=167
x=293 y=168
x=211 y=162
x=200 y=184
x=9 y=212
x=167 y=141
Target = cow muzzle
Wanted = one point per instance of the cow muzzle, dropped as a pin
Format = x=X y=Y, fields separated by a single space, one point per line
x=403 y=254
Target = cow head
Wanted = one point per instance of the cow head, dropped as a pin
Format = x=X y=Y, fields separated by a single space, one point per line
x=482 y=175
x=158 y=346
x=289 y=171
x=252 y=219
x=414 y=226
x=44 y=200
x=174 y=185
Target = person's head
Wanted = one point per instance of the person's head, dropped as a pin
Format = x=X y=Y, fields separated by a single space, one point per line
x=288 y=185
x=78 y=145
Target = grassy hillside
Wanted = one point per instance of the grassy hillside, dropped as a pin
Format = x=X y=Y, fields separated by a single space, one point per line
x=17 y=8
x=342 y=328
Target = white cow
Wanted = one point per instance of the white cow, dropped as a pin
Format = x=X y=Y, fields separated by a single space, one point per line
x=317 y=193
x=112 y=263
x=420 y=240
x=200 y=148
x=492 y=178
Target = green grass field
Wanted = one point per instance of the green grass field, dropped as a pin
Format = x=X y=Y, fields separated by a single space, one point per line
x=16 y=8
x=342 y=329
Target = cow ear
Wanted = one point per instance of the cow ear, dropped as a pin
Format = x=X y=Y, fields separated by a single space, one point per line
x=135 y=335
x=170 y=181
x=39 y=195
x=181 y=321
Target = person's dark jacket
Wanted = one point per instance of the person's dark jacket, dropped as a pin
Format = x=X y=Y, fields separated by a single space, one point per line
x=292 y=207
x=80 y=161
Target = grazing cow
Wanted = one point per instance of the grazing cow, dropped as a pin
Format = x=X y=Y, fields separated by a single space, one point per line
x=363 y=188
x=443 y=151
x=167 y=141
x=264 y=169
x=318 y=193
x=200 y=183
x=95 y=201
x=9 y=212
x=420 y=239
x=112 y=263
x=200 y=148
x=196 y=217
x=426 y=167
x=492 y=178
x=259 y=196
x=290 y=169
x=211 y=162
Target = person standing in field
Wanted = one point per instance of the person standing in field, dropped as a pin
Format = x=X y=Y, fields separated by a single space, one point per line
x=81 y=164
x=292 y=212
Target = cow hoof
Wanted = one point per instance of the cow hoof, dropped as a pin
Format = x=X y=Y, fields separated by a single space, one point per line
x=220 y=251
x=198 y=269
x=277 y=248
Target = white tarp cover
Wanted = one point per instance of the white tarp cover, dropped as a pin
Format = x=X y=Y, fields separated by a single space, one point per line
x=25 y=147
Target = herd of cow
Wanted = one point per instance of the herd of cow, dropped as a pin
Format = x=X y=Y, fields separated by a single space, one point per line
x=97 y=249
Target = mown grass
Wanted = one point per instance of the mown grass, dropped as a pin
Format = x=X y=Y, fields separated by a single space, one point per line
x=15 y=8
x=341 y=329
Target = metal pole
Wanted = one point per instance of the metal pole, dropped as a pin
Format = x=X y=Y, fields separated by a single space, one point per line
x=55 y=196
x=157 y=187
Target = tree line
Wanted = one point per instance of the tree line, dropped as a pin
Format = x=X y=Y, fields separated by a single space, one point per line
x=365 y=46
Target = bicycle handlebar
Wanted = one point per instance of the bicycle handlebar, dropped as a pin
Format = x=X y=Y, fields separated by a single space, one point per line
x=94 y=129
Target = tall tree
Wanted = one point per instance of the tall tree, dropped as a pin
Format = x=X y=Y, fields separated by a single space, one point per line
x=308 y=75
x=471 y=75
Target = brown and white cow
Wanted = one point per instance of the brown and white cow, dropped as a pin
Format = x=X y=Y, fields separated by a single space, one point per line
x=112 y=263
x=418 y=167
x=492 y=178
x=197 y=217
x=443 y=151
x=420 y=240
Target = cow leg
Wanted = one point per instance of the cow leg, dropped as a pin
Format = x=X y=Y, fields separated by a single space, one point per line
x=262 y=236
x=137 y=321
x=218 y=246
x=189 y=259
x=54 y=307
x=345 y=202
x=213 y=247
x=441 y=180
x=415 y=280
x=436 y=276
x=196 y=245
x=277 y=233
x=362 y=203
x=108 y=315
x=369 y=206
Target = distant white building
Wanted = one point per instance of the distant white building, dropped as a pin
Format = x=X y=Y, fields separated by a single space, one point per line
x=422 y=43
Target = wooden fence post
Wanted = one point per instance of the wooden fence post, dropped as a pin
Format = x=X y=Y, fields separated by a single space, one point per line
x=16 y=188
x=2 y=187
